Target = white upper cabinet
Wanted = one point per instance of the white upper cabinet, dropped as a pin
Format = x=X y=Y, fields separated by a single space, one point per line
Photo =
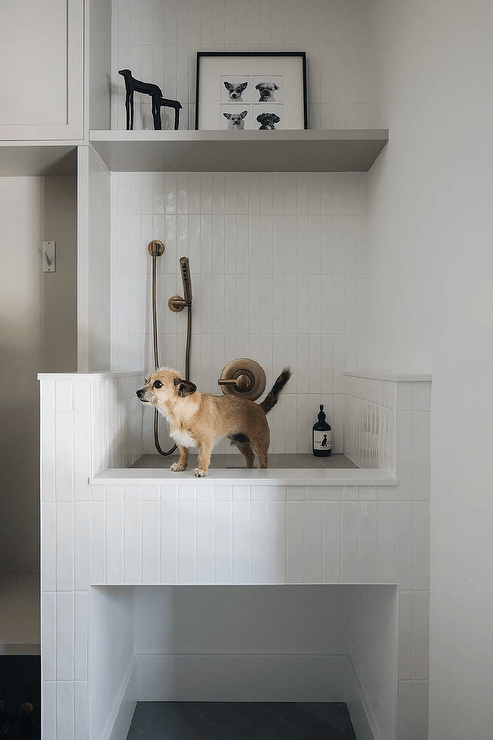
x=41 y=63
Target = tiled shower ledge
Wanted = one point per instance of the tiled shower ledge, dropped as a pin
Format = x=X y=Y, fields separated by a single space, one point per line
x=395 y=377
x=315 y=477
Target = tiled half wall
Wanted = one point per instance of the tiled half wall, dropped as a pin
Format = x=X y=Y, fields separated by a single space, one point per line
x=202 y=531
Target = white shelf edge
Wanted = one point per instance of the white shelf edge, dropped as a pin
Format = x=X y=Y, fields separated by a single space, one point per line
x=269 y=477
x=355 y=134
x=310 y=150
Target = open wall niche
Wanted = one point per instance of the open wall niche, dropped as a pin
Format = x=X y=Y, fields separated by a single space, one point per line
x=283 y=643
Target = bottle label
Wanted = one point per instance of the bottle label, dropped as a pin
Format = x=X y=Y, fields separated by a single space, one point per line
x=322 y=440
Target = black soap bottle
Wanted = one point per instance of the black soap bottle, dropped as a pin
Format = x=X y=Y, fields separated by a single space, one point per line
x=322 y=436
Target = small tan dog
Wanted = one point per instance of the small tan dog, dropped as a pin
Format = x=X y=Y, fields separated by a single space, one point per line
x=200 y=419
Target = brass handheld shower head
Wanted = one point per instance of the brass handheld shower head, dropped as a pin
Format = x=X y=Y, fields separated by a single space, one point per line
x=176 y=302
x=186 y=279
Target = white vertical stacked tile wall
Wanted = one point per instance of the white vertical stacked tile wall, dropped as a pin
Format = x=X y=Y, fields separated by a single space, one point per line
x=380 y=411
x=369 y=423
x=277 y=264
x=204 y=533
x=158 y=41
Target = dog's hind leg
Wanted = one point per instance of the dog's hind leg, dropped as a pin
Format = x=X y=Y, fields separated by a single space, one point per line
x=262 y=456
x=242 y=443
x=182 y=461
x=260 y=446
x=247 y=452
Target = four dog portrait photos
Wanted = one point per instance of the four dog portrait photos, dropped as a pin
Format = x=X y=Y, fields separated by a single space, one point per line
x=250 y=102
x=251 y=91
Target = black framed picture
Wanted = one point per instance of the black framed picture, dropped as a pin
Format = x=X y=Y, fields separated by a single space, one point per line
x=248 y=91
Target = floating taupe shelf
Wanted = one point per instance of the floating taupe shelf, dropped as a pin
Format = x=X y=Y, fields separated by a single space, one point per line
x=335 y=150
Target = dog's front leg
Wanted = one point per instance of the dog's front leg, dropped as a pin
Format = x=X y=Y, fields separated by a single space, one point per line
x=182 y=461
x=204 y=459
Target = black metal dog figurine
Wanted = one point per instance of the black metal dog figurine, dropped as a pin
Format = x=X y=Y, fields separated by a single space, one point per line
x=148 y=88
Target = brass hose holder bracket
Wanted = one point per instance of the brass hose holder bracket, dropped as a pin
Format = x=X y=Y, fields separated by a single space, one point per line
x=177 y=303
x=155 y=248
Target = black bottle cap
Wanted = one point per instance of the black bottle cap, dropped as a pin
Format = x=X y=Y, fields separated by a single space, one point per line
x=321 y=415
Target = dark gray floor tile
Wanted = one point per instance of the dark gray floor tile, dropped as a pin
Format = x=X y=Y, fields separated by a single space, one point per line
x=333 y=714
x=168 y=720
x=220 y=715
x=261 y=717
x=240 y=721
x=294 y=713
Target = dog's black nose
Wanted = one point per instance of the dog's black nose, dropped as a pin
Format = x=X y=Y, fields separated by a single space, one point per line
x=140 y=392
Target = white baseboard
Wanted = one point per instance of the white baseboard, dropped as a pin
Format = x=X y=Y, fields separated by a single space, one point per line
x=241 y=677
x=364 y=725
x=124 y=706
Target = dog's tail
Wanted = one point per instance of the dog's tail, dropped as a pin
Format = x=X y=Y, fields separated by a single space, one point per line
x=271 y=398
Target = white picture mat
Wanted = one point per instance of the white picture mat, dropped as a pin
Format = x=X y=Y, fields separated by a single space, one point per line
x=213 y=68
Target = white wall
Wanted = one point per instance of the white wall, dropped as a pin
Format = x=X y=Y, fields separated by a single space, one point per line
x=373 y=652
x=241 y=643
x=241 y=620
x=21 y=212
x=60 y=288
x=93 y=263
x=111 y=654
x=431 y=308
x=158 y=40
x=36 y=333
x=276 y=264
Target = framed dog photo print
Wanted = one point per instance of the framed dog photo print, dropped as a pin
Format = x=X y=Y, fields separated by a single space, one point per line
x=248 y=91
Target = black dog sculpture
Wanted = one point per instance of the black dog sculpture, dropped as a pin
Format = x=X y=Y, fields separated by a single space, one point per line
x=148 y=88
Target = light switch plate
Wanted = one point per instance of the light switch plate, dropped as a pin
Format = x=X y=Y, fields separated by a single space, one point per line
x=49 y=256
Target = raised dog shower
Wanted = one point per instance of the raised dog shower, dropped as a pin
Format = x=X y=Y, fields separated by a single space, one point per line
x=176 y=303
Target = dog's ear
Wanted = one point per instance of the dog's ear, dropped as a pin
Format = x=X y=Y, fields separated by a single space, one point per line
x=227 y=115
x=229 y=86
x=243 y=85
x=243 y=113
x=184 y=387
x=276 y=87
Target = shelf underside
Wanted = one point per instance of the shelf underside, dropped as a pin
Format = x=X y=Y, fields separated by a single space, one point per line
x=37 y=160
x=345 y=150
x=240 y=151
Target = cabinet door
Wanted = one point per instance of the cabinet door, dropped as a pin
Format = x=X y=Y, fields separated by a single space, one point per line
x=41 y=69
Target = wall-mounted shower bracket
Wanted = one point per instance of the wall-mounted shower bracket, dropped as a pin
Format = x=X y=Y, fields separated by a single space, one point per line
x=155 y=248
x=177 y=303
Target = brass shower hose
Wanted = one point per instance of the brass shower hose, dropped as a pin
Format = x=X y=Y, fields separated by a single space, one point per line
x=156 y=248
